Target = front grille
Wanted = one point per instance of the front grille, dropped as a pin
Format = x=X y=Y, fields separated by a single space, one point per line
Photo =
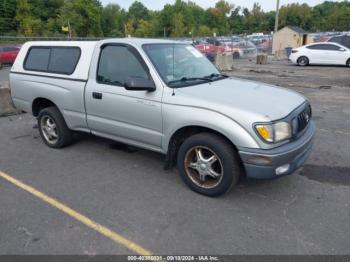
x=303 y=119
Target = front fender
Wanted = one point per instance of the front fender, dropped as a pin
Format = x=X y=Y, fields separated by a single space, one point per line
x=176 y=117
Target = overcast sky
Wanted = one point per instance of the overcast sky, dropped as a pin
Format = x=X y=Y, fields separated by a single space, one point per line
x=267 y=5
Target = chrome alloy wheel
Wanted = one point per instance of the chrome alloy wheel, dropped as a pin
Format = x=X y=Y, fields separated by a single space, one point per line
x=303 y=61
x=49 y=129
x=203 y=167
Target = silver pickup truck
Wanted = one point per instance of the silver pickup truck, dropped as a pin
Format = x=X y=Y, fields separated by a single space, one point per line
x=167 y=97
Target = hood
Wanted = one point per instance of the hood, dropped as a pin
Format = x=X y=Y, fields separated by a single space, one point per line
x=243 y=100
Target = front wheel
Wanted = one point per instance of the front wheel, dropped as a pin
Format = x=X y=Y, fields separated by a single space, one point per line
x=208 y=164
x=303 y=61
x=348 y=63
x=53 y=128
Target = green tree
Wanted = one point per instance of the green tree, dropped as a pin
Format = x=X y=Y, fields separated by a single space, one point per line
x=7 y=14
x=204 y=30
x=178 y=26
x=138 y=11
x=195 y=18
x=45 y=10
x=112 y=20
x=28 y=25
x=129 y=28
x=144 y=29
x=83 y=16
x=236 y=21
x=340 y=19
x=217 y=17
x=296 y=15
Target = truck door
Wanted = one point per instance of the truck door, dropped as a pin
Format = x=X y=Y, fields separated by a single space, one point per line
x=112 y=111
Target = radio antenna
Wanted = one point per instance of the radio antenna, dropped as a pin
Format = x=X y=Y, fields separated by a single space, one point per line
x=173 y=94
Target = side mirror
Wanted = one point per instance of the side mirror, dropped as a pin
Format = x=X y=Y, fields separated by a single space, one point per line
x=139 y=84
x=342 y=49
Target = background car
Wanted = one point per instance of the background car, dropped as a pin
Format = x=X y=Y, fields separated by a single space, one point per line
x=265 y=46
x=238 y=49
x=328 y=53
x=246 y=49
x=341 y=39
x=8 y=54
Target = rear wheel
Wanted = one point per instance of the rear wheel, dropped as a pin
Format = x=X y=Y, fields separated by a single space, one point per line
x=53 y=128
x=303 y=61
x=208 y=164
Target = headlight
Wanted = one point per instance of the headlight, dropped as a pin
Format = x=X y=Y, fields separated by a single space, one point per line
x=275 y=132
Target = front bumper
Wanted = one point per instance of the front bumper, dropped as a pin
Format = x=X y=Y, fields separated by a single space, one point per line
x=262 y=164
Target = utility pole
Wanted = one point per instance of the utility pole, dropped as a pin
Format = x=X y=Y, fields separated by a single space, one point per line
x=69 y=30
x=277 y=15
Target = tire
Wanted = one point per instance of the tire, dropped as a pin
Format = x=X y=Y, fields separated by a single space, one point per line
x=303 y=61
x=53 y=128
x=193 y=171
x=236 y=55
x=348 y=63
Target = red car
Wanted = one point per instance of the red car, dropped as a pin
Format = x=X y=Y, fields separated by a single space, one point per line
x=210 y=49
x=8 y=54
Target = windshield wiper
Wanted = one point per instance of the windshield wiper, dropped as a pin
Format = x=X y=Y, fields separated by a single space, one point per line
x=211 y=76
x=187 y=79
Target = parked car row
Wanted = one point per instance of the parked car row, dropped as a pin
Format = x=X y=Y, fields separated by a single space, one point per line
x=236 y=47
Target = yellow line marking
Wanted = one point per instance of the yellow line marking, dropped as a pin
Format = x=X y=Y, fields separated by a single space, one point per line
x=81 y=218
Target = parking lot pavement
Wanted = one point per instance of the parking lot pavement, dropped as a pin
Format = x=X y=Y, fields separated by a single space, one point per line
x=129 y=192
x=35 y=228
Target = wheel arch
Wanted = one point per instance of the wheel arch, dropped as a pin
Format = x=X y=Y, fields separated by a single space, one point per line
x=40 y=103
x=184 y=132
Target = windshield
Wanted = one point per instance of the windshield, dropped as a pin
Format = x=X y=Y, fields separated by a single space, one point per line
x=181 y=65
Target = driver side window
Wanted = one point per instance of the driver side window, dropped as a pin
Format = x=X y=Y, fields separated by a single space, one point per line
x=117 y=64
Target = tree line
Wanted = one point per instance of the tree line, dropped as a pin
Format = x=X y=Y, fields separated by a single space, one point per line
x=89 y=18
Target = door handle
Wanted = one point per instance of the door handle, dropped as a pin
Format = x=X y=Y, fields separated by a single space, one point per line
x=97 y=95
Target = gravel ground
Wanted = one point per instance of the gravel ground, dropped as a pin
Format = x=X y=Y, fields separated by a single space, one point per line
x=283 y=73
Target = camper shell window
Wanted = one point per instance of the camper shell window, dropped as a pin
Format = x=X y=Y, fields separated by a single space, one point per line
x=57 y=60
